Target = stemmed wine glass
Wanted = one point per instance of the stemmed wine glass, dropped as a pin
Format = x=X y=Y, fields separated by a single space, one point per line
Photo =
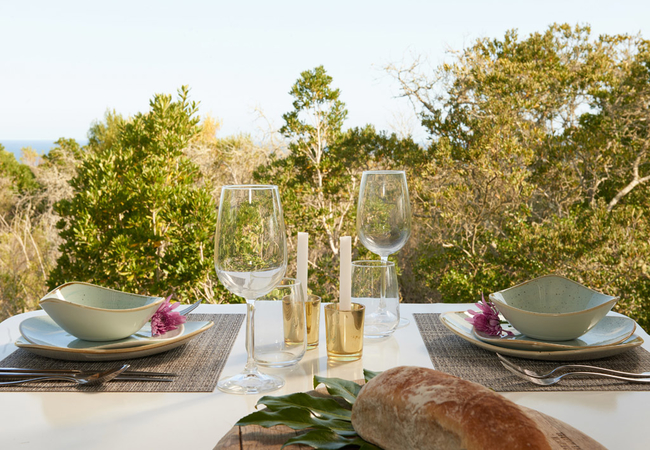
x=250 y=258
x=384 y=213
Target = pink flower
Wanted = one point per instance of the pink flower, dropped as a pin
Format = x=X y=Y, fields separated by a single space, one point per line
x=488 y=320
x=166 y=319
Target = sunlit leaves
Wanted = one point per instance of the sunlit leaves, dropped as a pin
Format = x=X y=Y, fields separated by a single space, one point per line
x=138 y=221
x=540 y=157
x=338 y=387
x=326 y=422
x=322 y=407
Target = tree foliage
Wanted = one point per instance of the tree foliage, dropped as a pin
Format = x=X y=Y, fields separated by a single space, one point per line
x=538 y=161
x=319 y=178
x=137 y=221
x=21 y=178
x=222 y=161
x=28 y=237
x=225 y=160
x=539 y=164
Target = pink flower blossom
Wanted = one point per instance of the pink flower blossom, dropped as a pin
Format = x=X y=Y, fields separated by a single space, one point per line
x=166 y=319
x=488 y=320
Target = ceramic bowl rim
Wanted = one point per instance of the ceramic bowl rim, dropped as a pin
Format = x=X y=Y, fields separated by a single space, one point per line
x=94 y=308
x=612 y=299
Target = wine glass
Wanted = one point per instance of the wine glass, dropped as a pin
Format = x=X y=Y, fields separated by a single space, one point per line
x=384 y=213
x=250 y=258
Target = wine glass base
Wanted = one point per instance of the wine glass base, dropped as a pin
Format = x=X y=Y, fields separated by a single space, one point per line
x=403 y=322
x=246 y=383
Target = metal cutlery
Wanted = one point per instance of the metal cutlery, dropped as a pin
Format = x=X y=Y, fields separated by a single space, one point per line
x=87 y=379
x=549 y=381
x=33 y=375
x=573 y=368
x=127 y=375
x=30 y=371
x=190 y=308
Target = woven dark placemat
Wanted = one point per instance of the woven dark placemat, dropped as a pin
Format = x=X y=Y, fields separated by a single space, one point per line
x=455 y=356
x=198 y=363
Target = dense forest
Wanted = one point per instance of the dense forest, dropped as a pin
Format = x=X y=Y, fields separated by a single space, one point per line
x=537 y=161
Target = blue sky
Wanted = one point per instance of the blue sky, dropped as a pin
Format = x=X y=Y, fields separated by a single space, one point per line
x=64 y=63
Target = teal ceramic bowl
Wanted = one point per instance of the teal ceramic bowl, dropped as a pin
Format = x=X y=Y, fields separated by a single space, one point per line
x=552 y=307
x=95 y=313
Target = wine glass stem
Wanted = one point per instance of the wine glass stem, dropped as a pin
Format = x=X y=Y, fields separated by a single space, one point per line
x=250 y=367
x=382 y=292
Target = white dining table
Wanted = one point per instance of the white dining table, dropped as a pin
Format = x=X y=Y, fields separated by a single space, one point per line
x=81 y=420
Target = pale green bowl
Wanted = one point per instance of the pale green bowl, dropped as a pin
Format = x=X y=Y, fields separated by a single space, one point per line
x=552 y=307
x=95 y=313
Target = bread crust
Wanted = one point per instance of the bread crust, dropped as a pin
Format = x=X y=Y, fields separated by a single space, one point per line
x=418 y=408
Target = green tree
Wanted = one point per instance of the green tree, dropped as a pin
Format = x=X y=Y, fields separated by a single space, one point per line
x=221 y=161
x=137 y=221
x=225 y=160
x=105 y=134
x=539 y=163
x=319 y=177
x=28 y=236
x=22 y=178
x=317 y=192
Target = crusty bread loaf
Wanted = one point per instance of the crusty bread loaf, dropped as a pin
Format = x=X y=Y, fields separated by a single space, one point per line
x=418 y=408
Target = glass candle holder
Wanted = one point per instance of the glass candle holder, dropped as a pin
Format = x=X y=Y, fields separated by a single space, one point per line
x=312 y=312
x=344 y=332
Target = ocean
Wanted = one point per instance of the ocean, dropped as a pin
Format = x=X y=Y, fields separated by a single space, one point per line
x=15 y=146
x=42 y=146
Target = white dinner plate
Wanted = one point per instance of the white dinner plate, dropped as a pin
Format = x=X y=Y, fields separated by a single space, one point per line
x=43 y=330
x=456 y=323
x=610 y=330
x=61 y=345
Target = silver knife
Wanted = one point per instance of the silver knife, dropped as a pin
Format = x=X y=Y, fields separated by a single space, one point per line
x=25 y=371
x=120 y=377
x=134 y=378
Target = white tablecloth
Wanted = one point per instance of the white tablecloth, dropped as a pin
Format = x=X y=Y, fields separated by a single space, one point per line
x=48 y=420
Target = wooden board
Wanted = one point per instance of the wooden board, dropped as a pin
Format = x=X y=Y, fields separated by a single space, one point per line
x=560 y=435
x=253 y=437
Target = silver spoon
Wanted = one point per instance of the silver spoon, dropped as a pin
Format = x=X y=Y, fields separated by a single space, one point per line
x=81 y=379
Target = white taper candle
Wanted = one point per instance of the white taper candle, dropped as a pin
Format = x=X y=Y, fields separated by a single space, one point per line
x=345 y=281
x=303 y=255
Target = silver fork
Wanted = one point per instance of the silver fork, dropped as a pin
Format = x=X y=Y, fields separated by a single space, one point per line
x=549 y=381
x=190 y=308
x=573 y=368
x=81 y=379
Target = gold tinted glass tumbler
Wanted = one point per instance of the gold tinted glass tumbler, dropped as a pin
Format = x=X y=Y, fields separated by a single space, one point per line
x=312 y=313
x=280 y=327
x=344 y=332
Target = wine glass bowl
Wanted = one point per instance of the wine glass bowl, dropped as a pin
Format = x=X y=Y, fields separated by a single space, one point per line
x=383 y=212
x=250 y=260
